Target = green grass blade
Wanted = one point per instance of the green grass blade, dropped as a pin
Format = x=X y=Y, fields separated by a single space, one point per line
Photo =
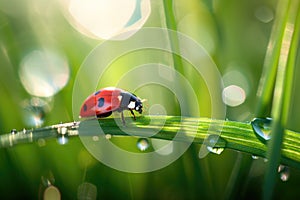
x=234 y=135
x=282 y=99
x=267 y=80
x=172 y=25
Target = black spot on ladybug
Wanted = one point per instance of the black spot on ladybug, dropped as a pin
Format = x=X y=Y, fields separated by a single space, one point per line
x=85 y=107
x=97 y=92
x=100 y=102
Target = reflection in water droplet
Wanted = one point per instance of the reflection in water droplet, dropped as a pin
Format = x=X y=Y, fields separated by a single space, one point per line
x=143 y=144
x=87 y=191
x=52 y=193
x=262 y=127
x=62 y=139
x=43 y=73
x=284 y=172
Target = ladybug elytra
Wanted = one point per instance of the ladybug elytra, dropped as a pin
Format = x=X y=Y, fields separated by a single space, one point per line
x=107 y=100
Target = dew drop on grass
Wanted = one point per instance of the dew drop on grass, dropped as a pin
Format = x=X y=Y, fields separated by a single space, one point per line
x=35 y=111
x=108 y=136
x=62 y=139
x=284 y=172
x=262 y=128
x=215 y=144
x=215 y=150
x=62 y=130
x=143 y=144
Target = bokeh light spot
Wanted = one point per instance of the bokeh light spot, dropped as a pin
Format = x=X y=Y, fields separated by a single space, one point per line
x=52 y=193
x=233 y=95
x=101 y=19
x=44 y=73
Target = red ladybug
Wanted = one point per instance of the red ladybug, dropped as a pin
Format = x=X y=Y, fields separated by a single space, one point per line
x=107 y=100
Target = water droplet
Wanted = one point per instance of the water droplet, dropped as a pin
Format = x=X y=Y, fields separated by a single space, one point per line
x=62 y=139
x=87 y=191
x=215 y=140
x=284 y=172
x=108 y=136
x=255 y=157
x=143 y=144
x=35 y=111
x=62 y=130
x=14 y=131
x=215 y=150
x=262 y=127
x=214 y=144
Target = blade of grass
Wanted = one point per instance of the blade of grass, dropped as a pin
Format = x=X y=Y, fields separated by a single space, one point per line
x=267 y=80
x=171 y=24
x=282 y=99
x=237 y=135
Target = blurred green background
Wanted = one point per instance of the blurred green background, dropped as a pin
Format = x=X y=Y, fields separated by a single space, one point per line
x=234 y=33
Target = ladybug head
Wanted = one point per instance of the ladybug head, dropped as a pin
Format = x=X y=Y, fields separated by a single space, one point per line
x=135 y=104
x=139 y=106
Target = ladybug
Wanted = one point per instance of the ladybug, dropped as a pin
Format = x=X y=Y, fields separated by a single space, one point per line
x=107 y=100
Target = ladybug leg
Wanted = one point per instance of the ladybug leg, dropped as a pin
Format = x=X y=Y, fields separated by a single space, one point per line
x=133 y=114
x=122 y=116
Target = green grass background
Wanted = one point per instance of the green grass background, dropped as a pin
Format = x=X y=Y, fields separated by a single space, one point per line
x=234 y=37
